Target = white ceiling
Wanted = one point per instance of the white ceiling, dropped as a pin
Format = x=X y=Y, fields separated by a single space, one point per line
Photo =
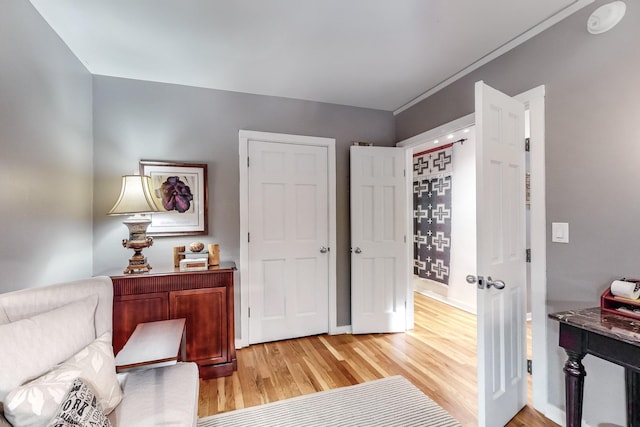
x=367 y=53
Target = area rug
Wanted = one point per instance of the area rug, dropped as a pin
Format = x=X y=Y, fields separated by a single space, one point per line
x=391 y=401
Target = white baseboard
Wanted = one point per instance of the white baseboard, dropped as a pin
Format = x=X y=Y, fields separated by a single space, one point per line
x=452 y=302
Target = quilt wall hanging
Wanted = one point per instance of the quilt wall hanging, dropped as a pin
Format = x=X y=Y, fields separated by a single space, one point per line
x=432 y=175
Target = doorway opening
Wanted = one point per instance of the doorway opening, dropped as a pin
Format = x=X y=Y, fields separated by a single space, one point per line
x=458 y=257
x=536 y=231
x=439 y=270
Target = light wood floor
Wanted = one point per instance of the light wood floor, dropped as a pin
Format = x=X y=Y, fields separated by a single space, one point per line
x=438 y=356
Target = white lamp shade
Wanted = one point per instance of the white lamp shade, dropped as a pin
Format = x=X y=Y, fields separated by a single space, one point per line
x=136 y=197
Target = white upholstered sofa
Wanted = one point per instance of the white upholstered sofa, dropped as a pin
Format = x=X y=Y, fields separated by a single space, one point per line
x=51 y=335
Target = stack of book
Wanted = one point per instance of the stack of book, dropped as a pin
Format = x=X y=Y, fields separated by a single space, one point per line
x=194 y=261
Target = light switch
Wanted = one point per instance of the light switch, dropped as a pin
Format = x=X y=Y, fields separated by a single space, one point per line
x=560 y=232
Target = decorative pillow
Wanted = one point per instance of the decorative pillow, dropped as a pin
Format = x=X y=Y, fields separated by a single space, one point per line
x=80 y=408
x=34 y=403
x=33 y=346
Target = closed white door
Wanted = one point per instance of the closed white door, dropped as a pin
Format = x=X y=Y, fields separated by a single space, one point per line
x=288 y=240
x=379 y=255
x=500 y=212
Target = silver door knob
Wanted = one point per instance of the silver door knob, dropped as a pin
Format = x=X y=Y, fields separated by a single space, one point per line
x=324 y=250
x=488 y=282
x=358 y=250
x=473 y=279
x=498 y=284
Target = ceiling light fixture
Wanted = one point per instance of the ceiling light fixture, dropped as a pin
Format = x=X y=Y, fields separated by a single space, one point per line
x=606 y=17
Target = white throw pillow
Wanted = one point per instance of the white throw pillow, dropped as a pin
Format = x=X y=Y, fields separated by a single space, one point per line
x=80 y=408
x=36 y=402
x=31 y=347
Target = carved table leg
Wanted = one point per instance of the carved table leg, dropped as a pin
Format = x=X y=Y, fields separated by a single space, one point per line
x=574 y=374
x=632 y=388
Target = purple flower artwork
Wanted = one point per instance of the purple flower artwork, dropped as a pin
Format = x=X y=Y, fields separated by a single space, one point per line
x=182 y=190
x=176 y=195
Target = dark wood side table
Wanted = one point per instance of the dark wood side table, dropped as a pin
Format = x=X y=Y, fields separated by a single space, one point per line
x=203 y=298
x=609 y=336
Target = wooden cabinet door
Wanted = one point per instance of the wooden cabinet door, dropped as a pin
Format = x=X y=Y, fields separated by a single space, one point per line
x=205 y=311
x=129 y=310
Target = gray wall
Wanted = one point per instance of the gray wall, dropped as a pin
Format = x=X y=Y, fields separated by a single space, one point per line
x=592 y=148
x=136 y=120
x=45 y=154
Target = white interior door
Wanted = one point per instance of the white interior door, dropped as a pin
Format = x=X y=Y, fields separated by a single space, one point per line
x=288 y=240
x=379 y=256
x=500 y=169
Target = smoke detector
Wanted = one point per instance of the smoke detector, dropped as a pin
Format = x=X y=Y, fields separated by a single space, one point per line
x=606 y=17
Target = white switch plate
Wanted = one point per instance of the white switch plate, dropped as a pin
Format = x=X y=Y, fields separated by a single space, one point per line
x=560 y=232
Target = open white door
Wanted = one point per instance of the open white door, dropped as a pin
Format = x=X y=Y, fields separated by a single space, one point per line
x=379 y=256
x=500 y=169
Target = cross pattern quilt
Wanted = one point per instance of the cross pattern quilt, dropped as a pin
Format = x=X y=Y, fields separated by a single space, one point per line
x=432 y=176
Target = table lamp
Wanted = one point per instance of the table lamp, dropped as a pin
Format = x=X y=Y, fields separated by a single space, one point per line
x=136 y=199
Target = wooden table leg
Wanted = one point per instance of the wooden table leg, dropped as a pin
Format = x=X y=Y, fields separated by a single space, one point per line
x=574 y=374
x=632 y=391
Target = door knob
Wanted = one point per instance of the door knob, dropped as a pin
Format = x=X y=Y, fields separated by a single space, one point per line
x=324 y=250
x=489 y=282
x=473 y=279
x=358 y=250
x=498 y=284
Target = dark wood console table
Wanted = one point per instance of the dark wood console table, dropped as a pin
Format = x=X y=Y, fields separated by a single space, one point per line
x=609 y=336
x=204 y=298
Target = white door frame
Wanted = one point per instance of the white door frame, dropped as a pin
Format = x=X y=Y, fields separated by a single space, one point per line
x=534 y=101
x=244 y=136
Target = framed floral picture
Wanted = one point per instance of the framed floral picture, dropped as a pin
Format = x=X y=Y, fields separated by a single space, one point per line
x=182 y=190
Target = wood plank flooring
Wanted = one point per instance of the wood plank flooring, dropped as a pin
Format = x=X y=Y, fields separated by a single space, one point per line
x=438 y=356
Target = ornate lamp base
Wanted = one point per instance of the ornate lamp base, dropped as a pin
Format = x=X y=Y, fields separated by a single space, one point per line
x=137 y=241
x=138 y=262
